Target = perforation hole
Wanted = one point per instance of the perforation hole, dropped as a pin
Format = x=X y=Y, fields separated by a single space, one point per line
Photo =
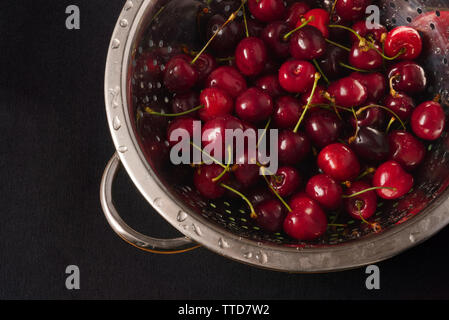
x=437 y=13
x=409 y=19
x=419 y=10
x=432 y=26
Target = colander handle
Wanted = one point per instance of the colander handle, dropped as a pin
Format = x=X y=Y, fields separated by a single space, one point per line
x=138 y=240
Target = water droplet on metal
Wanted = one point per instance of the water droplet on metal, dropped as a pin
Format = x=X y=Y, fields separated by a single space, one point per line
x=262 y=257
x=223 y=244
x=128 y=5
x=115 y=44
x=197 y=229
x=116 y=124
x=248 y=255
x=122 y=149
x=182 y=216
x=158 y=202
x=123 y=23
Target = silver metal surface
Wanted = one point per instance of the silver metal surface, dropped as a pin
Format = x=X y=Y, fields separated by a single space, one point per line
x=209 y=227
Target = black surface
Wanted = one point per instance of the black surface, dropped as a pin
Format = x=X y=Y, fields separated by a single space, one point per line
x=54 y=144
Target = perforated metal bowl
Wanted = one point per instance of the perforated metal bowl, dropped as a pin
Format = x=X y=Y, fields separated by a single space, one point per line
x=223 y=226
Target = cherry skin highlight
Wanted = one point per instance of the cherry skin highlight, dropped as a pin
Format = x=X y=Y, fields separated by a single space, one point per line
x=215 y=102
x=325 y=190
x=339 y=162
x=390 y=174
x=266 y=10
x=227 y=79
x=285 y=181
x=405 y=149
x=428 y=120
x=297 y=76
x=403 y=38
x=270 y=215
x=254 y=105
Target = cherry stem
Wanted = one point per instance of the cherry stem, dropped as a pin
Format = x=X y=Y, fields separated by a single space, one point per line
x=365 y=173
x=352 y=68
x=275 y=192
x=336 y=225
x=357 y=128
x=309 y=101
x=327 y=96
x=205 y=153
x=253 y=212
x=385 y=108
x=150 y=111
x=390 y=123
x=401 y=52
x=225 y=59
x=333 y=8
x=366 y=190
x=264 y=132
x=337 y=45
x=245 y=21
x=305 y=22
x=393 y=92
x=374 y=225
x=157 y=14
x=226 y=169
x=317 y=65
x=320 y=105
x=348 y=29
x=230 y=19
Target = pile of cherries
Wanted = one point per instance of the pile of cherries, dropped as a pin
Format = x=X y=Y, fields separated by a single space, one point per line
x=343 y=95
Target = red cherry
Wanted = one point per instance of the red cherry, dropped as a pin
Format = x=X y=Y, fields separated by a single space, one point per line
x=405 y=149
x=376 y=83
x=375 y=31
x=428 y=120
x=371 y=144
x=251 y=56
x=306 y=221
x=204 y=65
x=307 y=43
x=254 y=27
x=330 y=62
x=215 y=102
x=294 y=13
x=226 y=40
x=363 y=205
x=260 y=194
x=292 y=147
x=351 y=10
x=285 y=181
x=365 y=58
x=339 y=162
x=401 y=104
x=270 y=215
x=287 y=112
x=184 y=102
x=266 y=10
x=317 y=98
x=214 y=135
x=228 y=79
x=179 y=75
x=203 y=181
x=270 y=85
x=403 y=38
x=325 y=190
x=254 y=105
x=180 y=123
x=348 y=92
x=409 y=77
x=320 y=20
x=297 y=76
x=372 y=117
x=391 y=175
x=246 y=171
x=272 y=35
x=323 y=127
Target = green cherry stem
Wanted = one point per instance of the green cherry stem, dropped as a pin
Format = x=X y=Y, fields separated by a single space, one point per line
x=226 y=169
x=150 y=111
x=305 y=22
x=392 y=120
x=347 y=66
x=245 y=22
x=318 y=67
x=364 y=191
x=274 y=191
x=208 y=155
x=337 y=45
x=251 y=207
x=264 y=132
x=309 y=101
x=385 y=108
x=357 y=127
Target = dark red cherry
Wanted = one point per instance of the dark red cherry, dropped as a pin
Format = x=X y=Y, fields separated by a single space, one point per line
x=158 y=152
x=270 y=215
x=323 y=127
x=214 y=133
x=409 y=77
x=216 y=102
x=292 y=147
x=405 y=149
x=148 y=66
x=179 y=75
x=403 y=38
x=204 y=65
x=319 y=19
x=297 y=76
x=294 y=13
x=227 y=39
x=375 y=83
x=339 y=162
x=306 y=221
x=372 y=117
x=363 y=205
x=254 y=105
x=286 y=181
x=325 y=190
x=428 y=120
x=246 y=171
x=330 y=62
x=287 y=111
x=318 y=96
x=254 y=27
x=182 y=102
x=182 y=124
x=401 y=104
x=251 y=56
x=391 y=175
x=365 y=58
x=307 y=43
x=203 y=181
x=375 y=31
x=270 y=85
x=351 y=10
x=371 y=144
x=348 y=92
x=273 y=35
x=260 y=194
x=267 y=10
x=228 y=79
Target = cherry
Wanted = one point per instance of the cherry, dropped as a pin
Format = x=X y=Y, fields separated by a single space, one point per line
x=307 y=43
x=365 y=58
x=428 y=120
x=339 y=162
x=270 y=85
x=401 y=104
x=157 y=151
x=306 y=221
x=409 y=77
x=225 y=41
x=403 y=38
x=348 y=92
x=376 y=32
x=285 y=181
x=183 y=102
x=254 y=27
x=376 y=83
x=246 y=171
x=203 y=179
x=294 y=13
x=361 y=206
x=323 y=127
x=405 y=149
x=270 y=215
x=371 y=145
x=325 y=190
x=390 y=174
x=204 y=65
x=292 y=147
x=287 y=111
x=251 y=56
x=297 y=76
x=216 y=102
x=213 y=132
x=330 y=62
x=180 y=123
x=351 y=10
x=228 y=79
x=273 y=35
x=266 y=10
x=371 y=117
x=319 y=19
x=317 y=98
x=254 y=105
x=179 y=75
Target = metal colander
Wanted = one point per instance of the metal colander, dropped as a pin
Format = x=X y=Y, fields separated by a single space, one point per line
x=224 y=225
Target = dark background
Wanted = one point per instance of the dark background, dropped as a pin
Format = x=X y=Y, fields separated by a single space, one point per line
x=54 y=145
